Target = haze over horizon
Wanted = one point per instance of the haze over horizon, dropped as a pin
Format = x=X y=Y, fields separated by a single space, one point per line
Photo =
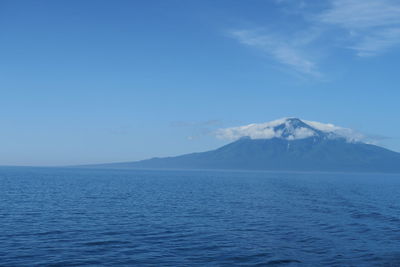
x=101 y=81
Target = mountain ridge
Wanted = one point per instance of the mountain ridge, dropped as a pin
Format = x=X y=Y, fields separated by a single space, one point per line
x=294 y=145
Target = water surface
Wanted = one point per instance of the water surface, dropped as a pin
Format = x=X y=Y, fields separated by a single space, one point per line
x=69 y=217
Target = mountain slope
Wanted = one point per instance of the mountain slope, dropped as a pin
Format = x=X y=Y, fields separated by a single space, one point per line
x=295 y=146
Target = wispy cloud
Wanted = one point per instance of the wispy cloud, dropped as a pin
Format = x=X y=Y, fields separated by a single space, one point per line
x=373 y=26
x=356 y=14
x=368 y=27
x=377 y=42
x=284 y=51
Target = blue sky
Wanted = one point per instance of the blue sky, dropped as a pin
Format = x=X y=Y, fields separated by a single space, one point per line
x=106 y=81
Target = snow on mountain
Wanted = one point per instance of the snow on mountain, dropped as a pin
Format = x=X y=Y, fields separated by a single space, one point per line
x=288 y=144
x=290 y=129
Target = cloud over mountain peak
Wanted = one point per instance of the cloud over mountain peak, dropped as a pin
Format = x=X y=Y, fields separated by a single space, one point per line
x=290 y=129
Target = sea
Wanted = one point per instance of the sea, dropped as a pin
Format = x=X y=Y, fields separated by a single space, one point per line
x=104 y=217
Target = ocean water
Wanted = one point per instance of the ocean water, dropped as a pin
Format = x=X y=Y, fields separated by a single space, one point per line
x=70 y=217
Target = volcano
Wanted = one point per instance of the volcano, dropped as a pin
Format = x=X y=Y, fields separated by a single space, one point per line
x=288 y=144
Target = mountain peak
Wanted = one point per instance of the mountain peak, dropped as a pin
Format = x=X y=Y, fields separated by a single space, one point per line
x=288 y=144
x=290 y=128
x=293 y=120
x=293 y=123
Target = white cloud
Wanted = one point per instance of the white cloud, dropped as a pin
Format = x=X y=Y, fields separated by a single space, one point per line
x=369 y=27
x=284 y=51
x=286 y=129
x=373 y=26
x=362 y=14
x=333 y=130
x=377 y=42
x=254 y=131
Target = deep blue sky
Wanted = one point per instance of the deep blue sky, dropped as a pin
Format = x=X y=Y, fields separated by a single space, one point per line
x=102 y=81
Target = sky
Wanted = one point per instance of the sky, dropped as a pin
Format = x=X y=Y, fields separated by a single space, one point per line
x=92 y=81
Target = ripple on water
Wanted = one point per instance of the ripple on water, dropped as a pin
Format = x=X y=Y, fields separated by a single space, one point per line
x=70 y=217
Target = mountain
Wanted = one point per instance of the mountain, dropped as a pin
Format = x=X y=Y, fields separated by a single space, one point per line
x=288 y=144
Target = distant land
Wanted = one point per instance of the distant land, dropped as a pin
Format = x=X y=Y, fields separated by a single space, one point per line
x=288 y=144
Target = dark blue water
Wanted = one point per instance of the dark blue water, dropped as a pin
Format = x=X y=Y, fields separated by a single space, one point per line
x=197 y=218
